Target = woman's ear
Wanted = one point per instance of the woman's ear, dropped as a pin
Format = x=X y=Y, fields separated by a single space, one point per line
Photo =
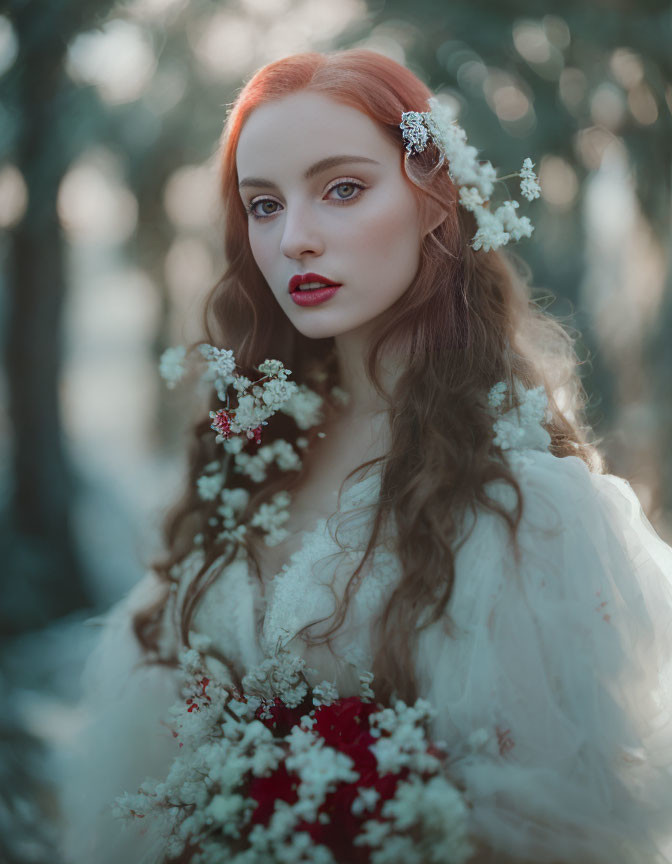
x=432 y=214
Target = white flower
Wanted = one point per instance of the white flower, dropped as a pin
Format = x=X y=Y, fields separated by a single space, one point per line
x=520 y=428
x=286 y=457
x=305 y=406
x=233 y=445
x=220 y=362
x=365 y=800
x=241 y=383
x=475 y=178
x=491 y=233
x=271 y=516
x=471 y=198
x=277 y=391
x=209 y=486
x=171 y=365
x=341 y=395
x=497 y=394
x=517 y=226
x=325 y=693
x=529 y=186
x=275 y=368
x=236 y=498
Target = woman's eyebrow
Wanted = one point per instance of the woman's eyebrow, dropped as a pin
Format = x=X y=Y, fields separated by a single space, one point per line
x=322 y=165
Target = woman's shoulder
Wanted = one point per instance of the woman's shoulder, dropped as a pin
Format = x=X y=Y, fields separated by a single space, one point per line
x=561 y=482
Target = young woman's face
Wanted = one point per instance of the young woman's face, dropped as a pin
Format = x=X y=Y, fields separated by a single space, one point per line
x=352 y=221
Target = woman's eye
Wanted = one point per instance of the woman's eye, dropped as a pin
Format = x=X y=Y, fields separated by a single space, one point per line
x=349 y=186
x=260 y=209
x=264 y=204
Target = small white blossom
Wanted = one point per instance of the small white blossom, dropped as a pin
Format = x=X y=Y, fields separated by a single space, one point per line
x=529 y=186
x=241 y=383
x=209 y=486
x=365 y=691
x=305 y=407
x=471 y=198
x=325 y=693
x=491 y=233
x=276 y=392
x=497 y=394
x=340 y=395
x=275 y=368
x=171 y=365
x=520 y=428
x=220 y=362
x=233 y=445
x=271 y=516
x=366 y=799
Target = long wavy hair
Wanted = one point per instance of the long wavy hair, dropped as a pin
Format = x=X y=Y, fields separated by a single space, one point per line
x=467 y=320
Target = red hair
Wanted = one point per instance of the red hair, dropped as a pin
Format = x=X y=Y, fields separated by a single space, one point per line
x=467 y=321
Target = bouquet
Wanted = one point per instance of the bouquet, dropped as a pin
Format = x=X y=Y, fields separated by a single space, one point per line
x=281 y=772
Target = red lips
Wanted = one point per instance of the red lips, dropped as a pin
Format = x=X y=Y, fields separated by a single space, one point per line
x=301 y=279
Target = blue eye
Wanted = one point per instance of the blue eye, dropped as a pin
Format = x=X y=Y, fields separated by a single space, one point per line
x=251 y=211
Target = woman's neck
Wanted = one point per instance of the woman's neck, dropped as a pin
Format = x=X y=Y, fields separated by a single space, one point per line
x=364 y=401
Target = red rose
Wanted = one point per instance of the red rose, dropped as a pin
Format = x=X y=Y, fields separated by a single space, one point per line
x=280 y=786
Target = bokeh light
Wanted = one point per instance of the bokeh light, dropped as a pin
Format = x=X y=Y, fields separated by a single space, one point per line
x=119 y=60
x=190 y=196
x=558 y=181
x=9 y=47
x=13 y=196
x=93 y=203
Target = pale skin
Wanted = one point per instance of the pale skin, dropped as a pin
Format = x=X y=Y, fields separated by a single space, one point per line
x=357 y=223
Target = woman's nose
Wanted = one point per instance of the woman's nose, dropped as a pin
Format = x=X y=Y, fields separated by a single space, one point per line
x=300 y=235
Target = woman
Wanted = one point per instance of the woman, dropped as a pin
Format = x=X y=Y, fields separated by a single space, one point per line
x=483 y=559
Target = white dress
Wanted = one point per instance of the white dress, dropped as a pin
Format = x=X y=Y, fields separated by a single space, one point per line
x=555 y=698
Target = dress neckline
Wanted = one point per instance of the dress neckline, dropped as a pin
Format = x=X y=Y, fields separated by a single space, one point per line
x=358 y=492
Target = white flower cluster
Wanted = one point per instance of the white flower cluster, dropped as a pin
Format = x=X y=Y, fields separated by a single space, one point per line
x=476 y=179
x=256 y=402
x=220 y=368
x=305 y=407
x=223 y=746
x=171 y=365
x=254 y=466
x=271 y=516
x=282 y=675
x=437 y=808
x=520 y=428
x=404 y=745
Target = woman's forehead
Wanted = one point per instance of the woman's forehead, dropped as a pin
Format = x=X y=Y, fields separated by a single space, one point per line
x=301 y=129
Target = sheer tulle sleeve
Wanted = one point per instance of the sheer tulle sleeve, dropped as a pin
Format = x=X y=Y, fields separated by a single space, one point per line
x=123 y=740
x=556 y=697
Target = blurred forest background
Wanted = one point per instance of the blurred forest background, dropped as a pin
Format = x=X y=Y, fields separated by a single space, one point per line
x=110 y=236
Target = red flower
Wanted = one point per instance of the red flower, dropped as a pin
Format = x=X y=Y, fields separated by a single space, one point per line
x=280 y=786
x=221 y=422
x=345 y=721
x=282 y=719
x=255 y=433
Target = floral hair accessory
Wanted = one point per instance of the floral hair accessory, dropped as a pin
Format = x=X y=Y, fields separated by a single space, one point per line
x=475 y=178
